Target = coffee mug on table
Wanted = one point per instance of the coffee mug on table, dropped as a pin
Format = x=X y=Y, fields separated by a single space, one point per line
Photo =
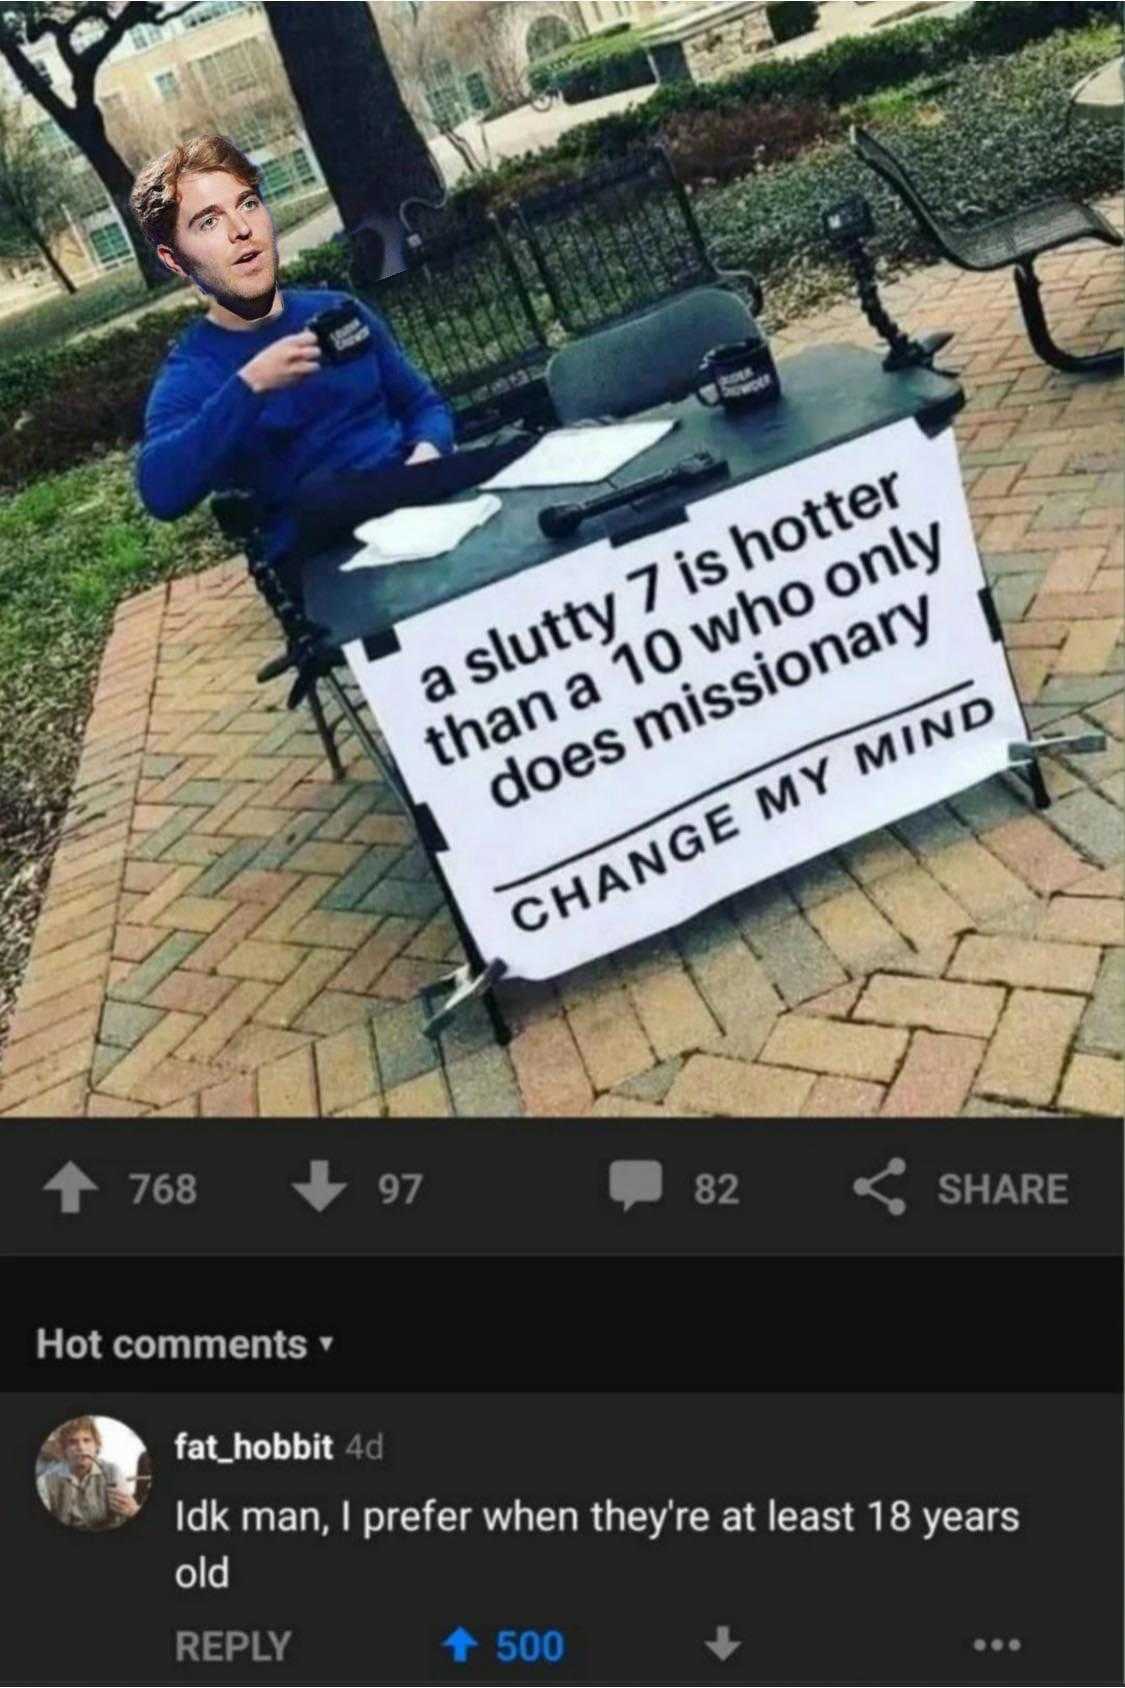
x=342 y=333
x=742 y=374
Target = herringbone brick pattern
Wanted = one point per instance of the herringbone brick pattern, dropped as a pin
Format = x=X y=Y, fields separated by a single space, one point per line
x=228 y=932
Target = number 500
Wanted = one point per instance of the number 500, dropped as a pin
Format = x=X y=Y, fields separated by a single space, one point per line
x=529 y=1646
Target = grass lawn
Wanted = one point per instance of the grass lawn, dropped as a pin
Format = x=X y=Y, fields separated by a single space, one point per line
x=114 y=295
x=59 y=314
x=71 y=548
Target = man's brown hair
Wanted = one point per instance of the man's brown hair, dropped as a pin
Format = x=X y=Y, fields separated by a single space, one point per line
x=156 y=192
x=76 y=1427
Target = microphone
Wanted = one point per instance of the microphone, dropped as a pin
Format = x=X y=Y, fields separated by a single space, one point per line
x=559 y=521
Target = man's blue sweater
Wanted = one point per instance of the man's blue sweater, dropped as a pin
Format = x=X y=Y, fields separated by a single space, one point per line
x=206 y=430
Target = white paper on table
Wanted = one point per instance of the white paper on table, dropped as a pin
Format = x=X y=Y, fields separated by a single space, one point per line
x=580 y=456
x=418 y=532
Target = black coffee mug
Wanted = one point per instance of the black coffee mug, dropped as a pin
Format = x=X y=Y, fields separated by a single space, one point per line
x=342 y=333
x=741 y=373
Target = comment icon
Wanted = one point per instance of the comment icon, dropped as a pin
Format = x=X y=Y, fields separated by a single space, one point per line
x=634 y=1181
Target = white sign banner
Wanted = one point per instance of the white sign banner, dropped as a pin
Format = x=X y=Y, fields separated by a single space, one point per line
x=613 y=740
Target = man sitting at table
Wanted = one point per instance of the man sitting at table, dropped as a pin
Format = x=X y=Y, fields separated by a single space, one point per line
x=241 y=401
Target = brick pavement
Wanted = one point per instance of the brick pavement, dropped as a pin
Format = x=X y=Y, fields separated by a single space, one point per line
x=228 y=932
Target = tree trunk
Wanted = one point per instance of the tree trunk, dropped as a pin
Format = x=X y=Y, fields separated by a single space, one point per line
x=117 y=179
x=369 y=147
x=56 y=268
x=463 y=147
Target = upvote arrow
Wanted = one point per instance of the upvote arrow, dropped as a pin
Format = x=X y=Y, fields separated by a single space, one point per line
x=721 y=1644
x=459 y=1642
x=319 y=1191
x=70 y=1184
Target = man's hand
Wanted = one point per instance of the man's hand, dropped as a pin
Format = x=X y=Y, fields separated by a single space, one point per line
x=122 y=1502
x=284 y=363
x=424 y=452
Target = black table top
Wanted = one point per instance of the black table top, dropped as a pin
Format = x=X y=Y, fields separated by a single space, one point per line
x=830 y=394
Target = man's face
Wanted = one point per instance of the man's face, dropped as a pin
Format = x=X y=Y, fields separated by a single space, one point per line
x=225 y=242
x=80 y=1452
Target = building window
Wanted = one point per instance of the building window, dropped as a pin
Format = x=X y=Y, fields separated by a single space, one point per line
x=280 y=177
x=166 y=85
x=52 y=139
x=144 y=35
x=87 y=195
x=255 y=129
x=110 y=244
x=208 y=13
x=478 y=92
x=547 y=35
x=446 y=106
x=234 y=70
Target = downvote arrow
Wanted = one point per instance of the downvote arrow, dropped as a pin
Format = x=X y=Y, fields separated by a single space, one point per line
x=326 y=1342
x=70 y=1184
x=319 y=1191
x=721 y=1644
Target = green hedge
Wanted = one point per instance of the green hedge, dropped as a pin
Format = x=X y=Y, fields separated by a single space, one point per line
x=843 y=71
x=600 y=64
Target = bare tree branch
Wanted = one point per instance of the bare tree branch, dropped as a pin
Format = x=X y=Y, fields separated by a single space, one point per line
x=82 y=122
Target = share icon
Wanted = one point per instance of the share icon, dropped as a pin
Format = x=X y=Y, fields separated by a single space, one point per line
x=895 y=1205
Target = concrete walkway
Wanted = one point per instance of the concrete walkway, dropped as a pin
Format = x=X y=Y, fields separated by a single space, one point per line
x=228 y=932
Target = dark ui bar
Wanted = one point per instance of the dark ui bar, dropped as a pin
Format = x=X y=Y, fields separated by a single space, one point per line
x=936 y=1325
x=550 y=1187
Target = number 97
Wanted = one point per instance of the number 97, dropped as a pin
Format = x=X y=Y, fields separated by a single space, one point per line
x=399 y=1189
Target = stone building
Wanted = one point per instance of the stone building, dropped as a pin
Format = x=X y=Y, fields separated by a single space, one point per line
x=707 y=42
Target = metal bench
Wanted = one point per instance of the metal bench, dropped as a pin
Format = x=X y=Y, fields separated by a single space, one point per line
x=463 y=314
x=617 y=242
x=1017 y=238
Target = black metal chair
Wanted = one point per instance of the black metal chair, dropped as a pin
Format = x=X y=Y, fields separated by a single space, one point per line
x=240 y=520
x=647 y=360
x=462 y=311
x=1017 y=239
x=617 y=242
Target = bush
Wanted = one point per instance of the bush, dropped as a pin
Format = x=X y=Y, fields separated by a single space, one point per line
x=601 y=64
x=719 y=146
x=993 y=142
x=27 y=378
x=843 y=71
x=319 y=266
x=790 y=18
